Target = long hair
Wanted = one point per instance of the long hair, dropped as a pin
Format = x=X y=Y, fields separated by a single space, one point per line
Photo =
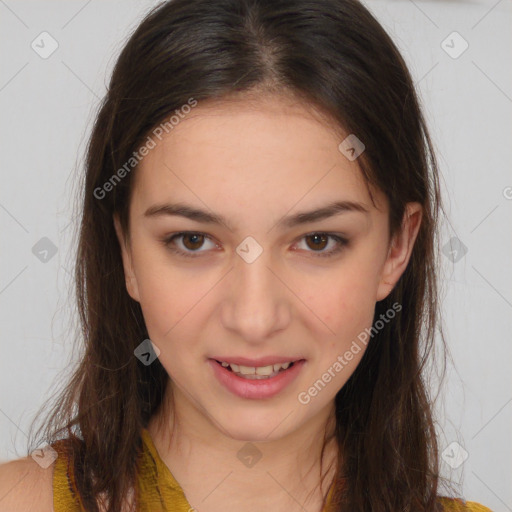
x=332 y=54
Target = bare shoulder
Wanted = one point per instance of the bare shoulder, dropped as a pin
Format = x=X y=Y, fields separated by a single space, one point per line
x=25 y=486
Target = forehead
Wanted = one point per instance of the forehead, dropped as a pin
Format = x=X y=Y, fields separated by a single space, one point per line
x=236 y=153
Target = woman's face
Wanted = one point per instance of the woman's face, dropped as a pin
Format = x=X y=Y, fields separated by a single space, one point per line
x=257 y=287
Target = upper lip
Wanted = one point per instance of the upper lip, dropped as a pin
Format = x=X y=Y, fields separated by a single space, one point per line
x=261 y=361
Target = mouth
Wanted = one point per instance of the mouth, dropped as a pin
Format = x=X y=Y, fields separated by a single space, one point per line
x=256 y=382
x=257 y=372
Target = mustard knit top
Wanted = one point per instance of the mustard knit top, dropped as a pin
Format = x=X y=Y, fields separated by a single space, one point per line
x=157 y=489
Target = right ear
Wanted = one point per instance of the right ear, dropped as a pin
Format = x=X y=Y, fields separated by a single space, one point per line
x=131 y=280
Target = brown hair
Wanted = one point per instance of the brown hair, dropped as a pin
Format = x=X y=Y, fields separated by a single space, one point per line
x=332 y=54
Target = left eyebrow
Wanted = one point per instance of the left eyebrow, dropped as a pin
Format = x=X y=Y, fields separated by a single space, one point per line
x=198 y=215
x=330 y=210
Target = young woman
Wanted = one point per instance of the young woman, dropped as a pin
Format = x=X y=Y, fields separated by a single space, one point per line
x=256 y=274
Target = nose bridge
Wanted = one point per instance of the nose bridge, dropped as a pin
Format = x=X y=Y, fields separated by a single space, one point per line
x=256 y=306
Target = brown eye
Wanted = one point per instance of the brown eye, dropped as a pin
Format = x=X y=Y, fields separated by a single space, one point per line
x=316 y=244
x=187 y=243
x=191 y=242
x=196 y=241
x=319 y=240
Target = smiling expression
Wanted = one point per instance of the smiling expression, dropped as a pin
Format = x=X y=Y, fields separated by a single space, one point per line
x=283 y=259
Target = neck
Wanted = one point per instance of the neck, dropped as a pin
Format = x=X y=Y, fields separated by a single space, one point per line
x=215 y=470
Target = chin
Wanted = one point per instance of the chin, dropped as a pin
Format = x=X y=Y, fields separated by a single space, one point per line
x=253 y=427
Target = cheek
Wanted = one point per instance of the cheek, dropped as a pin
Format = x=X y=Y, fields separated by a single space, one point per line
x=174 y=301
x=345 y=301
x=165 y=297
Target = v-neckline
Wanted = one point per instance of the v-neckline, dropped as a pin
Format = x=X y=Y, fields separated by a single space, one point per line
x=166 y=478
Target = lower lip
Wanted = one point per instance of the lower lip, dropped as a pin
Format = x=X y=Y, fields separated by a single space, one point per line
x=257 y=388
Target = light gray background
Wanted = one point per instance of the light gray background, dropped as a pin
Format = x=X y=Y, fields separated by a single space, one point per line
x=47 y=106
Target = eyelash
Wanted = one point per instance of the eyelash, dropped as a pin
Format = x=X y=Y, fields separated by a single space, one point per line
x=342 y=242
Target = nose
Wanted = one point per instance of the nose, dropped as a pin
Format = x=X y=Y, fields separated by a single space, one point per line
x=257 y=302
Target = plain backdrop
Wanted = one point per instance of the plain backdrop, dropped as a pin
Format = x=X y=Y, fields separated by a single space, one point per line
x=465 y=83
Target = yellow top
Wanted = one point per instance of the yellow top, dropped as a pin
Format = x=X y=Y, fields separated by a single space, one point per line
x=158 y=491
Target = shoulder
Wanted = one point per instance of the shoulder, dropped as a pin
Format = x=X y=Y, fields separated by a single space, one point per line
x=458 y=505
x=26 y=486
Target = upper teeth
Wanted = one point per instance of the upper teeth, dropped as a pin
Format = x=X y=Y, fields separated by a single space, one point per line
x=256 y=370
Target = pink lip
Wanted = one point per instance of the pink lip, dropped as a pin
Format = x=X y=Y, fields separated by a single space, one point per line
x=255 y=389
x=261 y=361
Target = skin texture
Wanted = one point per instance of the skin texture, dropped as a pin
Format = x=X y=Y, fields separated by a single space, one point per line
x=254 y=162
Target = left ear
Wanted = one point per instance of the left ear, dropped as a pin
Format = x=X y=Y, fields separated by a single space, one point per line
x=400 y=250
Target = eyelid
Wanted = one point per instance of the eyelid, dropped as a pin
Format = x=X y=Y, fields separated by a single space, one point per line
x=341 y=240
x=167 y=241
